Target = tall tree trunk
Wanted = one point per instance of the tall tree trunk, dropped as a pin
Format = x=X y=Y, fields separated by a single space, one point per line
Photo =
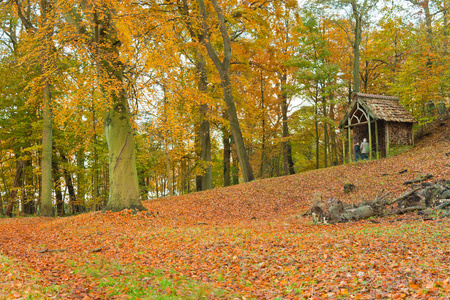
x=13 y=193
x=223 y=69
x=46 y=207
x=356 y=44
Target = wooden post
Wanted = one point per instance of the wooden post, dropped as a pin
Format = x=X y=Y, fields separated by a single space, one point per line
x=376 y=139
x=349 y=143
x=370 y=137
x=387 y=139
x=343 y=145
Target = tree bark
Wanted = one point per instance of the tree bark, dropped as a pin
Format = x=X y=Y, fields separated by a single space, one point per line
x=46 y=207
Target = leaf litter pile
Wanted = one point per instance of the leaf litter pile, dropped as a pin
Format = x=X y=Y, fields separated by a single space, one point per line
x=248 y=241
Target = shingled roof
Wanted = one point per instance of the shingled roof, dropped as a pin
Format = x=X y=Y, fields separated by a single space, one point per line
x=380 y=107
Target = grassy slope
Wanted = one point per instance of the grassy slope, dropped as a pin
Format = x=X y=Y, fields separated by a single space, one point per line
x=244 y=240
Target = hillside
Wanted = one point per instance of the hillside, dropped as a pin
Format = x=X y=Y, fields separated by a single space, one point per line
x=242 y=242
x=290 y=195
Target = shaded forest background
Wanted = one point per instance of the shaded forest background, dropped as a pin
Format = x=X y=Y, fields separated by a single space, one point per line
x=216 y=93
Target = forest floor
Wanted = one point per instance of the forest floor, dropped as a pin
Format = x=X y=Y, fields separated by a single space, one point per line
x=248 y=241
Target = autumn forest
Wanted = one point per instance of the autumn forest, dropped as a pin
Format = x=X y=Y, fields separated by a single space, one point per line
x=107 y=103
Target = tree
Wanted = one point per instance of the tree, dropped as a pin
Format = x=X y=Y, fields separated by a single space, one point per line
x=359 y=15
x=100 y=34
x=44 y=32
x=317 y=77
x=222 y=67
x=204 y=136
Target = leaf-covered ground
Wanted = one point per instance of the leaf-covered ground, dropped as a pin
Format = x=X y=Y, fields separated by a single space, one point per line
x=244 y=242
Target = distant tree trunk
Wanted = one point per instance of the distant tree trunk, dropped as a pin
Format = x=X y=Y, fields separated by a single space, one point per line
x=58 y=190
x=288 y=163
x=95 y=171
x=28 y=207
x=333 y=135
x=226 y=158
x=325 y=131
x=81 y=176
x=235 y=164
x=263 y=125
x=223 y=69
x=13 y=193
x=74 y=204
x=316 y=127
x=168 y=168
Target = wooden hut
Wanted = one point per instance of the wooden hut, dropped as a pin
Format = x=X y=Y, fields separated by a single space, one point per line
x=380 y=119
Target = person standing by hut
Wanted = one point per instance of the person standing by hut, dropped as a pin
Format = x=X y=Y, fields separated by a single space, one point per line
x=357 y=151
x=364 y=149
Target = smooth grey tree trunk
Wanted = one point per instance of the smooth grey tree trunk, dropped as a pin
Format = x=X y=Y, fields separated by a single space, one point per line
x=46 y=207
